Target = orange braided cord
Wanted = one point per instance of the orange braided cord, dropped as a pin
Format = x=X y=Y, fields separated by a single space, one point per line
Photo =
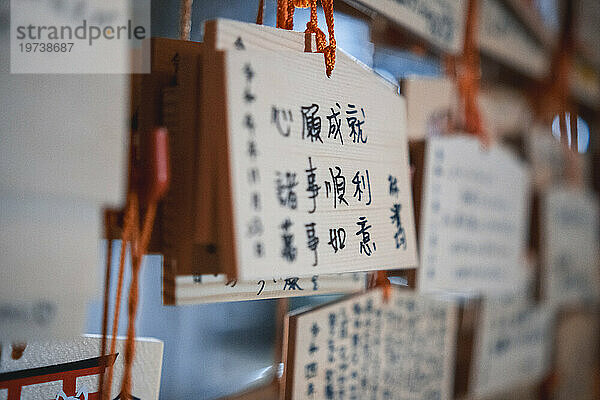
x=469 y=73
x=282 y=8
x=289 y=18
x=141 y=245
x=185 y=22
x=285 y=20
x=329 y=50
x=128 y=228
x=556 y=85
x=261 y=12
x=382 y=281
x=105 y=303
x=304 y=3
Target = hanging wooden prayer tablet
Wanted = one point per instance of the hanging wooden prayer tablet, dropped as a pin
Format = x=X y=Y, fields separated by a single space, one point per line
x=313 y=170
x=279 y=171
x=473 y=217
x=569 y=247
x=512 y=346
x=440 y=23
x=362 y=347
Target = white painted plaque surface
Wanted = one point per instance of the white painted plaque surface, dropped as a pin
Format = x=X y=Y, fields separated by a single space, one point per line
x=50 y=256
x=513 y=346
x=63 y=156
x=503 y=37
x=366 y=349
x=473 y=217
x=309 y=199
x=196 y=289
x=145 y=375
x=570 y=246
x=63 y=135
x=429 y=104
x=440 y=22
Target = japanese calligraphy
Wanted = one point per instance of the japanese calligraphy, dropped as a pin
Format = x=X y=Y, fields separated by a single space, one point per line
x=312 y=240
x=337 y=239
x=312 y=188
x=364 y=348
x=282 y=119
x=400 y=235
x=311 y=123
x=337 y=186
x=249 y=96
x=571 y=273
x=255 y=226
x=363 y=232
x=286 y=184
x=393 y=185
x=470 y=238
x=355 y=123
x=335 y=123
x=362 y=185
x=288 y=251
x=292 y=284
x=209 y=288
x=309 y=164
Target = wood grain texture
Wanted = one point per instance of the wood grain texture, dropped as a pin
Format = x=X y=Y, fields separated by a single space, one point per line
x=200 y=289
x=385 y=154
x=196 y=101
x=364 y=347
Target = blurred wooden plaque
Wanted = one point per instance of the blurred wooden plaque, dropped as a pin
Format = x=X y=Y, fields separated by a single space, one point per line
x=512 y=347
x=439 y=22
x=505 y=38
x=473 y=218
x=569 y=246
x=362 y=347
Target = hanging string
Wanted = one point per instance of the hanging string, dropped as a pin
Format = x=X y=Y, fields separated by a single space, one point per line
x=555 y=102
x=281 y=14
x=141 y=246
x=153 y=187
x=261 y=12
x=289 y=20
x=382 y=281
x=556 y=84
x=468 y=74
x=107 y=274
x=285 y=20
x=130 y=217
x=132 y=312
x=185 y=24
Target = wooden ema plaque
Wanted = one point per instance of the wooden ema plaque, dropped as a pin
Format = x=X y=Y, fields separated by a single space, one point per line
x=441 y=23
x=277 y=170
x=512 y=347
x=473 y=215
x=362 y=347
x=569 y=246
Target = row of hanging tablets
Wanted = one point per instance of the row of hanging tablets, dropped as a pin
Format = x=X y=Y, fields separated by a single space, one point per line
x=287 y=183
